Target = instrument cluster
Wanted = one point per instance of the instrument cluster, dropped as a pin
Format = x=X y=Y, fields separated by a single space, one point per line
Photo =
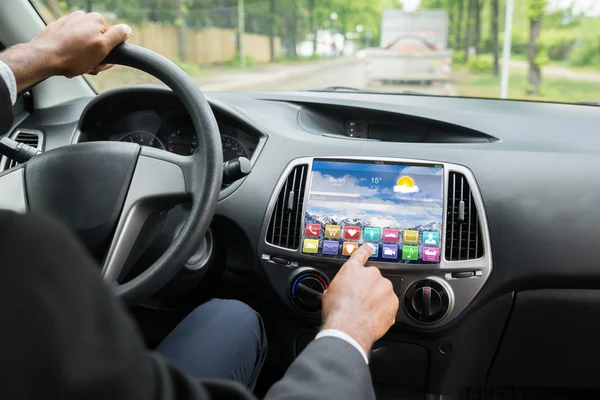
x=175 y=133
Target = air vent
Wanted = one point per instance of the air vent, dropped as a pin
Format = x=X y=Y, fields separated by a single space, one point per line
x=31 y=138
x=284 y=227
x=463 y=231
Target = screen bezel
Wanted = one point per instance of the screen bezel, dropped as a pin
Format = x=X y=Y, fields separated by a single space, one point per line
x=378 y=161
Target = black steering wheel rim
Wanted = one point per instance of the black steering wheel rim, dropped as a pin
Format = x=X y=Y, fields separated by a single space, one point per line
x=203 y=175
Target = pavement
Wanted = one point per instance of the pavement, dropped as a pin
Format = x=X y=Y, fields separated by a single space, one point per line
x=306 y=75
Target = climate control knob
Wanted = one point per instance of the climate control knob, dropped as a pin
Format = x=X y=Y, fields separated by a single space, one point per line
x=307 y=288
x=427 y=300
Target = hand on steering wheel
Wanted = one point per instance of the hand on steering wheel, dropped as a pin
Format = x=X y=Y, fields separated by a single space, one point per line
x=106 y=191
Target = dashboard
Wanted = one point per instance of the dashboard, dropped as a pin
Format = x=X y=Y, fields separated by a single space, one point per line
x=482 y=212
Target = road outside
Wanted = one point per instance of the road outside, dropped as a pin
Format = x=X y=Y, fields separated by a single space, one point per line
x=343 y=72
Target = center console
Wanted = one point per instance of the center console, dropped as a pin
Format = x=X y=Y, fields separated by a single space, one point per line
x=426 y=220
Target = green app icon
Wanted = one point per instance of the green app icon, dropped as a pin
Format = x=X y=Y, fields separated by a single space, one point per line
x=410 y=253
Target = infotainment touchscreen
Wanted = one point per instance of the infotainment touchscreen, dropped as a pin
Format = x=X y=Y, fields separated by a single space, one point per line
x=397 y=207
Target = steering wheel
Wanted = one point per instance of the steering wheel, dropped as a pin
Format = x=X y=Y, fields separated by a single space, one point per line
x=107 y=191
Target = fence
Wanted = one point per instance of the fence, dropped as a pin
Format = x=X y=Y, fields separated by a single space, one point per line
x=210 y=37
x=203 y=46
x=211 y=34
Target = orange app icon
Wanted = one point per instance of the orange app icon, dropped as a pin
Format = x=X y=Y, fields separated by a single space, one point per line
x=349 y=248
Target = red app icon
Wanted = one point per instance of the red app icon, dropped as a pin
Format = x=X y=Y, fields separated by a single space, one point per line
x=351 y=232
x=390 y=235
x=312 y=230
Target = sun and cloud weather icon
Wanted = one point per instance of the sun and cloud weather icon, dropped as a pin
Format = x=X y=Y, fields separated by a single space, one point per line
x=405 y=184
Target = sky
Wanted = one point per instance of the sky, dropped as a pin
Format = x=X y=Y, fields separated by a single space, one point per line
x=588 y=7
x=358 y=179
x=381 y=206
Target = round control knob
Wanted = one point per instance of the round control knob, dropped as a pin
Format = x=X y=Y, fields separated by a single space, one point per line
x=307 y=288
x=427 y=301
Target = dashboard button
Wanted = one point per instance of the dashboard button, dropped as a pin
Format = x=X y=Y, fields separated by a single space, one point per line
x=280 y=260
x=463 y=274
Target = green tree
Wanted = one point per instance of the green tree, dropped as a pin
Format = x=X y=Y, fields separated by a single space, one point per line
x=477 y=39
x=273 y=30
x=469 y=23
x=536 y=57
x=495 y=13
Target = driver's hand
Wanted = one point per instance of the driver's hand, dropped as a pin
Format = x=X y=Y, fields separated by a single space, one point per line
x=360 y=302
x=76 y=44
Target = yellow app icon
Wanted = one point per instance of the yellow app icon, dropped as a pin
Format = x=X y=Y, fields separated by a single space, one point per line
x=310 y=246
x=411 y=237
x=332 y=231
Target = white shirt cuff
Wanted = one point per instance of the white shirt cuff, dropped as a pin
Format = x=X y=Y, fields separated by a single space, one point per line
x=345 y=337
x=9 y=78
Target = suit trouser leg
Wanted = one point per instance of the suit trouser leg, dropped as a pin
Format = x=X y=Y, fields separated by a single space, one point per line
x=219 y=339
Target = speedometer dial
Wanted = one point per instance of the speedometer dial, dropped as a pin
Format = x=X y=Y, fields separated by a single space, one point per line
x=182 y=141
x=232 y=148
x=144 y=139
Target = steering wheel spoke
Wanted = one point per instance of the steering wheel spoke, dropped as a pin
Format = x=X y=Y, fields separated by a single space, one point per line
x=158 y=183
x=12 y=190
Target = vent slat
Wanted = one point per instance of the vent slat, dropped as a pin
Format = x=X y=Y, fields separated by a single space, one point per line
x=285 y=224
x=453 y=214
x=299 y=203
x=469 y=228
x=460 y=226
x=286 y=194
x=462 y=235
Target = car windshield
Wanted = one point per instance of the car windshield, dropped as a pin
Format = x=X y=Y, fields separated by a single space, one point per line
x=540 y=50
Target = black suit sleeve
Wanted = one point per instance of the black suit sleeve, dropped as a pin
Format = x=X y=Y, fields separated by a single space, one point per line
x=6 y=109
x=65 y=336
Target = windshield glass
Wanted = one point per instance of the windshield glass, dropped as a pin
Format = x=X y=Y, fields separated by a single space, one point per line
x=434 y=47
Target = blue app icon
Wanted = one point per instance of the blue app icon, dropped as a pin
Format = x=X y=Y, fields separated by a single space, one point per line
x=376 y=252
x=431 y=239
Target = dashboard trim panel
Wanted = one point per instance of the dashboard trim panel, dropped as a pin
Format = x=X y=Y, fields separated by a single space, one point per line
x=464 y=290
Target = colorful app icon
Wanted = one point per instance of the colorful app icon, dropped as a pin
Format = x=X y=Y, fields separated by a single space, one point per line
x=332 y=231
x=431 y=254
x=389 y=251
x=348 y=248
x=411 y=237
x=376 y=252
x=310 y=246
x=431 y=239
x=390 y=235
x=410 y=252
x=351 y=232
x=371 y=234
x=312 y=230
x=330 y=247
